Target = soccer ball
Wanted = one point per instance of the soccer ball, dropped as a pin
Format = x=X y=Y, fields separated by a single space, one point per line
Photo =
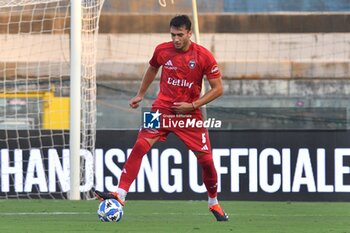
x=110 y=210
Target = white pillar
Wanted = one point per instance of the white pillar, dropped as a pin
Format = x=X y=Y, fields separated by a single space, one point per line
x=75 y=99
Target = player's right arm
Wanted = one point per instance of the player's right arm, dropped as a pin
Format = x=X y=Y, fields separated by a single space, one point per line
x=147 y=79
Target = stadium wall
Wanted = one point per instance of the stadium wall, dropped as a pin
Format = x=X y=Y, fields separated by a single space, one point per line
x=227 y=6
x=118 y=57
x=315 y=74
x=308 y=22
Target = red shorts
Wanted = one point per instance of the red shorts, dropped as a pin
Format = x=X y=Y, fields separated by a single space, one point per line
x=184 y=126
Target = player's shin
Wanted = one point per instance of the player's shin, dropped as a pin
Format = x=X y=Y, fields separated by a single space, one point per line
x=209 y=174
x=132 y=166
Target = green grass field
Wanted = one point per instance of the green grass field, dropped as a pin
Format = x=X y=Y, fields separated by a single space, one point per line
x=175 y=216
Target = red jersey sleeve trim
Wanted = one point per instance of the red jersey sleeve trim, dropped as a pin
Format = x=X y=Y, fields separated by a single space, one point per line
x=210 y=65
x=214 y=72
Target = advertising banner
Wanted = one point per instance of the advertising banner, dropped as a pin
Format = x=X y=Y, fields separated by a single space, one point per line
x=251 y=165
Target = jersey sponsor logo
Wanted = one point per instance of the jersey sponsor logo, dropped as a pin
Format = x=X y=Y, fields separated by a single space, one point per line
x=192 y=64
x=179 y=82
x=214 y=69
x=169 y=65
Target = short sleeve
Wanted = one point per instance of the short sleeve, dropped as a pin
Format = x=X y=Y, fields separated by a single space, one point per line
x=154 y=60
x=211 y=68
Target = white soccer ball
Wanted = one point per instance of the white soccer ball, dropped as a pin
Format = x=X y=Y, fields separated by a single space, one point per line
x=110 y=210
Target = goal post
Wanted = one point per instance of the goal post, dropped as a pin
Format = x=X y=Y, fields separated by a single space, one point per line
x=75 y=100
x=48 y=97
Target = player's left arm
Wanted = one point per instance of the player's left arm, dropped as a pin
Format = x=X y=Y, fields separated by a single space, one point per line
x=216 y=90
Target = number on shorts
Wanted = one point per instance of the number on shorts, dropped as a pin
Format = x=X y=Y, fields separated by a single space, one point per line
x=204 y=139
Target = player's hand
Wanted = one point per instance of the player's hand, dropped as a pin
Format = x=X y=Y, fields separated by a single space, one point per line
x=134 y=102
x=182 y=107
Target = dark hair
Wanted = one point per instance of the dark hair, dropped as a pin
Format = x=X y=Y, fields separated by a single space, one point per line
x=180 y=21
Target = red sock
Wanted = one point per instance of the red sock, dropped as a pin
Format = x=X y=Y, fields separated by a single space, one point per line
x=209 y=175
x=133 y=163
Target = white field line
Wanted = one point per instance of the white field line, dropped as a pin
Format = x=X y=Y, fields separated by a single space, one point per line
x=44 y=213
x=176 y=213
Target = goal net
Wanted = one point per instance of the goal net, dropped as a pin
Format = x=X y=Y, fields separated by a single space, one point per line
x=34 y=98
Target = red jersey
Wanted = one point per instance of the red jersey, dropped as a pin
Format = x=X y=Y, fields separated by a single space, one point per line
x=182 y=72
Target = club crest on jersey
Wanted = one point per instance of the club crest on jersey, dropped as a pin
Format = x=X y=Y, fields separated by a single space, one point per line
x=192 y=64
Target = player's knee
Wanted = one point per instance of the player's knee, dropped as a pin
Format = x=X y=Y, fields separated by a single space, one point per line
x=142 y=143
x=151 y=141
x=204 y=158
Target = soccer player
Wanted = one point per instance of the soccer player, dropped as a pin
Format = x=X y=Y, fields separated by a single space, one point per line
x=184 y=63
